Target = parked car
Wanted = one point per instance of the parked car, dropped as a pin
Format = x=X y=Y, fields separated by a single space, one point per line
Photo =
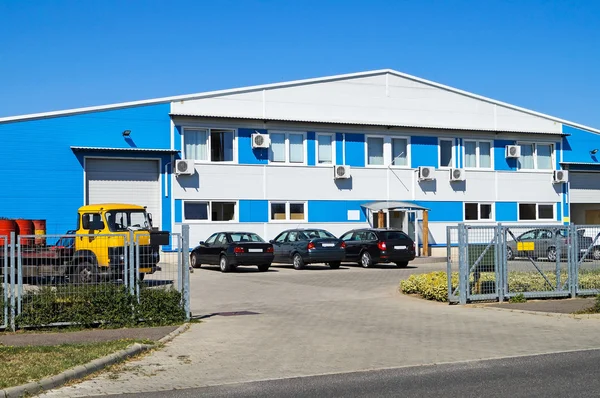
x=544 y=243
x=231 y=249
x=594 y=235
x=369 y=246
x=306 y=246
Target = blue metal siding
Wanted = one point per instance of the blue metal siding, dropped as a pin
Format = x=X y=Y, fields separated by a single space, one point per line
x=506 y=211
x=334 y=210
x=177 y=137
x=310 y=148
x=339 y=148
x=500 y=161
x=254 y=211
x=443 y=211
x=44 y=178
x=247 y=154
x=424 y=151
x=178 y=210
x=355 y=150
x=577 y=146
x=559 y=211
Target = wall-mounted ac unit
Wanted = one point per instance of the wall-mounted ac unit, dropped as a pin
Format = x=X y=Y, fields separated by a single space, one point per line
x=457 y=175
x=340 y=171
x=560 y=176
x=184 y=167
x=426 y=173
x=260 y=140
x=513 y=151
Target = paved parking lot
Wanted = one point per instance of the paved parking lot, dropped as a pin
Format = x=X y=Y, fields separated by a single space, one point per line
x=287 y=323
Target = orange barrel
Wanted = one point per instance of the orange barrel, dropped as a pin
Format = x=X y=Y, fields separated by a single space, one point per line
x=39 y=228
x=6 y=227
x=25 y=228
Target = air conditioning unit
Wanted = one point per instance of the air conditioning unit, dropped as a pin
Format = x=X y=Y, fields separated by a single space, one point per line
x=340 y=171
x=260 y=140
x=513 y=151
x=426 y=173
x=560 y=176
x=184 y=167
x=457 y=175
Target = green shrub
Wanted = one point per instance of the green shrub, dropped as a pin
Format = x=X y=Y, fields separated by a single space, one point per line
x=517 y=298
x=160 y=307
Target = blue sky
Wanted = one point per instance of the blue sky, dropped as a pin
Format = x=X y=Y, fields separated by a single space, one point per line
x=54 y=55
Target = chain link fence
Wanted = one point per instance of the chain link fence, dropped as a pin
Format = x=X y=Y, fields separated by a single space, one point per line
x=534 y=261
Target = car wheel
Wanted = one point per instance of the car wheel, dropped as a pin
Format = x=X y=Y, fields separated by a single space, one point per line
x=551 y=255
x=263 y=267
x=194 y=261
x=83 y=274
x=402 y=264
x=141 y=276
x=596 y=253
x=335 y=264
x=224 y=264
x=509 y=254
x=298 y=262
x=365 y=260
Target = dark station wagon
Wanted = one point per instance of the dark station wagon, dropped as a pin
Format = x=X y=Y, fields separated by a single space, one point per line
x=370 y=246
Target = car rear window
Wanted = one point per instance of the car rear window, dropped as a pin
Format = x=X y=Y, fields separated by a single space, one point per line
x=245 y=237
x=318 y=233
x=393 y=235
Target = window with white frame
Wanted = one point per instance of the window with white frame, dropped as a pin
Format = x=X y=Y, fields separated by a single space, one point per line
x=287 y=211
x=478 y=212
x=215 y=145
x=399 y=152
x=536 y=156
x=375 y=151
x=325 y=149
x=209 y=211
x=446 y=153
x=287 y=147
x=536 y=211
x=478 y=154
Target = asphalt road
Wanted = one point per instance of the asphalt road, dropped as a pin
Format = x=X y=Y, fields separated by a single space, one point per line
x=557 y=375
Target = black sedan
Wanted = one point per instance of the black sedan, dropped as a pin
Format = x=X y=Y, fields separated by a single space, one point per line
x=305 y=246
x=370 y=246
x=230 y=249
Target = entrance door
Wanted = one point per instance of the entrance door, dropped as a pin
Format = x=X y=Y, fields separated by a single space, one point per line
x=592 y=217
x=397 y=219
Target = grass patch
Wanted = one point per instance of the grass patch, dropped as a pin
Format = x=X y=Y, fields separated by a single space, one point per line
x=594 y=309
x=20 y=365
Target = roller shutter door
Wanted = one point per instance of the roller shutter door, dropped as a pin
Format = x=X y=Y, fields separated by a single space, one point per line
x=124 y=181
x=584 y=187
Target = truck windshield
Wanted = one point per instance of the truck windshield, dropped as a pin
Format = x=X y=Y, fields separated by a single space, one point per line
x=121 y=220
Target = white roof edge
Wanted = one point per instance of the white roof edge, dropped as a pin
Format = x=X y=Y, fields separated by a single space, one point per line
x=207 y=94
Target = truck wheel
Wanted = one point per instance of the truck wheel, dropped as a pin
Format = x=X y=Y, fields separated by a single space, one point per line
x=83 y=273
x=141 y=276
x=298 y=262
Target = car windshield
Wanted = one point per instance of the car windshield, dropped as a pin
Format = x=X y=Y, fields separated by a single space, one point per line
x=318 y=233
x=122 y=220
x=245 y=237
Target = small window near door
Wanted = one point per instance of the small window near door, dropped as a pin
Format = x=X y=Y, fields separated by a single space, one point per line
x=223 y=211
x=199 y=211
x=478 y=212
x=536 y=211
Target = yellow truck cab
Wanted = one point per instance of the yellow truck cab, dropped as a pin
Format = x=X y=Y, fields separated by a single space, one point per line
x=102 y=242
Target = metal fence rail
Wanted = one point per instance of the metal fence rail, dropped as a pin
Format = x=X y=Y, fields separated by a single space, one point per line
x=535 y=261
x=77 y=278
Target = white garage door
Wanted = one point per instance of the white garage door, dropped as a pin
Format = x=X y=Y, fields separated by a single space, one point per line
x=584 y=187
x=124 y=181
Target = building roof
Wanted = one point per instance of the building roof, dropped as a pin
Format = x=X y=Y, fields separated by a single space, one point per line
x=240 y=90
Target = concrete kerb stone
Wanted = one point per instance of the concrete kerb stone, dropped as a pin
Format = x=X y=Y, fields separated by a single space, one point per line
x=80 y=371
x=539 y=313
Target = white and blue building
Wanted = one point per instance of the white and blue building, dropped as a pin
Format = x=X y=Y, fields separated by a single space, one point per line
x=400 y=137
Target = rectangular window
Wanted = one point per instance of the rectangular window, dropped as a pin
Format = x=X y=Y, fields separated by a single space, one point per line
x=288 y=211
x=536 y=211
x=324 y=149
x=536 y=156
x=478 y=154
x=215 y=145
x=375 y=151
x=399 y=152
x=287 y=148
x=209 y=211
x=446 y=153
x=478 y=212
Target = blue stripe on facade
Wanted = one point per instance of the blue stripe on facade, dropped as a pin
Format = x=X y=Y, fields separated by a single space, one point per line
x=566 y=204
x=577 y=146
x=177 y=138
x=443 y=211
x=339 y=148
x=254 y=211
x=559 y=211
x=355 y=150
x=500 y=161
x=458 y=145
x=178 y=210
x=310 y=148
x=557 y=156
x=506 y=211
x=247 y=154
x=334 y=210
x=424 y=151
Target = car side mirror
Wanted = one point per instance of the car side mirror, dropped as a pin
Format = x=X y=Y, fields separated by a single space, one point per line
x=201 y=242
x=272 y=241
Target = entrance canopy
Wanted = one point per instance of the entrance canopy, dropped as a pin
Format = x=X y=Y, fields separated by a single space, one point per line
x=392 y=205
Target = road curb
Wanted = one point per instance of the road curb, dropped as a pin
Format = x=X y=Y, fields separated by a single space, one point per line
x=80 y=371
x=541 y=313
